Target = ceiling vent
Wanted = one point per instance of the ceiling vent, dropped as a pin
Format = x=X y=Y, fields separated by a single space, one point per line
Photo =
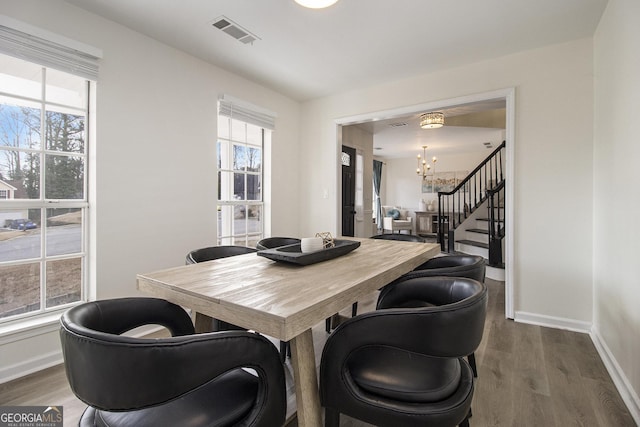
x=234 y=30
x=397 y=124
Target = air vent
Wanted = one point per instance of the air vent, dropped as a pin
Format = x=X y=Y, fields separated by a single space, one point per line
x=487 y=145
x=234 y=30
x=397 y=124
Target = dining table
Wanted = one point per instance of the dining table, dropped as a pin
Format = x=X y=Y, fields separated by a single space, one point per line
x=286 y=300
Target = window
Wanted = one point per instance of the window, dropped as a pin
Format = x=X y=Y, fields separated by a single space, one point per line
x=240 y=177
x=244 y=137
x=43 y=206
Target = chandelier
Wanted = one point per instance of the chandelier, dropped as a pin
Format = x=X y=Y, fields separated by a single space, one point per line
x=431 y=120
x=423 y=166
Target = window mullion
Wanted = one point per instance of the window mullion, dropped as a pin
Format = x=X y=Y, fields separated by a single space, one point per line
x=49 y=226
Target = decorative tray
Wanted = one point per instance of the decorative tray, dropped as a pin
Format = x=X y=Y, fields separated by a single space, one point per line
x=294 y=255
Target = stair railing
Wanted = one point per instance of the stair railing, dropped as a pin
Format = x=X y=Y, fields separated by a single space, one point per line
x=456 y=205
x=495 y=202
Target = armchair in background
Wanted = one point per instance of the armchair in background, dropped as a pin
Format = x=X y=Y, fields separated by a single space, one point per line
x=396 y=219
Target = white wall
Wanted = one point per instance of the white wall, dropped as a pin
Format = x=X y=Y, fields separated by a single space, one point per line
x=553 y=165
x=155 y=155
x=616 y=196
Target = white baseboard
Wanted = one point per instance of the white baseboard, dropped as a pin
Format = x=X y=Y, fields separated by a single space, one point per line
x=553 y=322
x=26 y=367
x=620 y=380
x=496 y=273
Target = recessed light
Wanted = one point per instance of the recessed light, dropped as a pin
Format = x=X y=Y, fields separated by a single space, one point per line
x=315 y=4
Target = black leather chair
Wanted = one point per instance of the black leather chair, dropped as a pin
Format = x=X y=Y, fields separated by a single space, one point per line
x=385 y=236
x=469 y=266
x=187 y=379
x=276 y=242
x=406 y=366
x=398 y=236
x=216 y=252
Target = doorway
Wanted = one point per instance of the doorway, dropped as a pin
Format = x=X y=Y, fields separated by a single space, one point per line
x=508 y=96
x=348 y=190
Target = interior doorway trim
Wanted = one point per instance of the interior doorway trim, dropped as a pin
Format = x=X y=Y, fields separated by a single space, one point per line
x=508 y=94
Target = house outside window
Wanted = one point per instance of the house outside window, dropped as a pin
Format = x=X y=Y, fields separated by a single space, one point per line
x=43 y=177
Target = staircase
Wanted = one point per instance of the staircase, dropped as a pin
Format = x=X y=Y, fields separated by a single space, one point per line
x=473 y=237
x=471 y=217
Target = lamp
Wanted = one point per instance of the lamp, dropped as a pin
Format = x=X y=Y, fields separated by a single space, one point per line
x=315 y=4
x=423 y=166
x=431 y=120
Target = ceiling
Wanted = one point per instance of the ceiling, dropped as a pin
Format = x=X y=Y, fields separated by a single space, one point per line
x=467 y=128
x=305 y=53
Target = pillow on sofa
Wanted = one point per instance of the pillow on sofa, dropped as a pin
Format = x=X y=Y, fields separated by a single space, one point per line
x=404 y=214
x=393 y=213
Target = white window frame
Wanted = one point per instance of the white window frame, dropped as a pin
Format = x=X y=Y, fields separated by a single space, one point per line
x=230 y=107
x=227 y=204
x=30 y=319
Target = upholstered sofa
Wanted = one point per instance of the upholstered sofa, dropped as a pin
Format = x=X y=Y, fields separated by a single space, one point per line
x=396 y=219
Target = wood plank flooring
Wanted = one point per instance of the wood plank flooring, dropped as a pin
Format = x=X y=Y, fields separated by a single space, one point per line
x=527 y=376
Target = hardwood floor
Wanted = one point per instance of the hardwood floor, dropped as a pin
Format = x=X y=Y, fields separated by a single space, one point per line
x=527 y=376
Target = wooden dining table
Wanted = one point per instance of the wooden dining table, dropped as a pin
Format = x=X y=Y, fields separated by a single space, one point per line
x=285 y=300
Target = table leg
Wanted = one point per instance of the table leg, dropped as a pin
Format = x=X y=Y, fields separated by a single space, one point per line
x=304 y=372
x=203 y=323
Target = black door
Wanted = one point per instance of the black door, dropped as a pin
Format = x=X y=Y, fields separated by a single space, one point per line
x=348 y=190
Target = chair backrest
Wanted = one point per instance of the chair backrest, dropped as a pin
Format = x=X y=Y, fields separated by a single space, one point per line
x=398 y=236
x=469 y=266
x=452 y=329
x=112 y=372
x=276 y=242
x=216 y=252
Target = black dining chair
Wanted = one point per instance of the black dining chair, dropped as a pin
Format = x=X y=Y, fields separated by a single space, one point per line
x=276 y=242
x=405 y=366
x=469 y=266
x=384 y=236
x=219 y=378
x=217 y=252
x=398 y=236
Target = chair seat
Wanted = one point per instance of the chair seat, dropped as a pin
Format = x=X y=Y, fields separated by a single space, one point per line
x=401 y=375
x=223 y=401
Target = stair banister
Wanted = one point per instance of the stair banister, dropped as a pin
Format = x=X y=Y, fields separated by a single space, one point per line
x=487 y=174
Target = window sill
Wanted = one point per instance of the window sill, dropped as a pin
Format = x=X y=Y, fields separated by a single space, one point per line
x=22 y=329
